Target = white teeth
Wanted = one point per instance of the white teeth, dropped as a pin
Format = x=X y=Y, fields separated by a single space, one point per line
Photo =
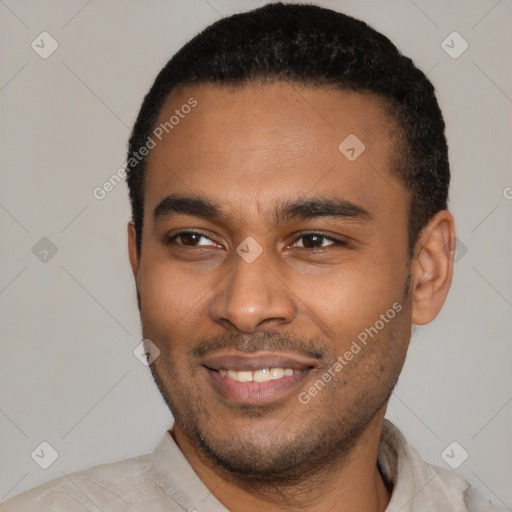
x=276 y=373
x=262 y=375
x=244 y=376
x=232 y=374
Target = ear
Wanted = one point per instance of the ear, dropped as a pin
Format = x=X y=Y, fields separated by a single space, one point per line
x=134 y=258
x=432 y=267
x=132 y=249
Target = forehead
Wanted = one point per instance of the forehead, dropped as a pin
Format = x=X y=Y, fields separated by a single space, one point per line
x=256 y=143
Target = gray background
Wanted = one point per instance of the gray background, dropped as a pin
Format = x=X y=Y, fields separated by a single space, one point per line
x=69 y=324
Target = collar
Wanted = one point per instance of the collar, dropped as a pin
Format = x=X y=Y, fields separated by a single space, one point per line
x=416 y=485
x=175 y=475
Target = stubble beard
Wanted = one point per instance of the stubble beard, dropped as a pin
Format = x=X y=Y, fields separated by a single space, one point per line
x=325 y=438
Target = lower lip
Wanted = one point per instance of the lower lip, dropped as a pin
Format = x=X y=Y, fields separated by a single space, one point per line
x=255 y=393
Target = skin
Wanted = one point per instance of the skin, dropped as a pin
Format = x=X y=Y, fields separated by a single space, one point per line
x=250 y=149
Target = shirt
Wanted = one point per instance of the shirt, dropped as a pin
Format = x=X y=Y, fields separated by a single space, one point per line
x=165 y=481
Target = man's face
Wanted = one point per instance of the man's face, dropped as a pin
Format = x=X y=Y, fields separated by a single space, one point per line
x=321 y=259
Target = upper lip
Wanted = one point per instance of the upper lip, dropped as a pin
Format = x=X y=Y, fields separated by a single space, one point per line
x=256 y=361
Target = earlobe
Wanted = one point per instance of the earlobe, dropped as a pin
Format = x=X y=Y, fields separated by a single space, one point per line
x=432 y=267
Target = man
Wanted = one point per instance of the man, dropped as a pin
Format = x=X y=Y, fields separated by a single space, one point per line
x=288 y=176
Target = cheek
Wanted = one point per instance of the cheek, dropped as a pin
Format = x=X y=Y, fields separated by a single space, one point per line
x=158 y=295
x=174 y=306
x=167 y=303
x=345 y=302
x=168 y=294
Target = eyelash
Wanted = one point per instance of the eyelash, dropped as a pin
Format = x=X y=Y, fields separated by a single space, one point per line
x=170 y=239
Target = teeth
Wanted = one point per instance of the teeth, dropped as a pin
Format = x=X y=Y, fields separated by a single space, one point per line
x=262 y=375
x=242 y=376
x=276 y=373
x=232 y=374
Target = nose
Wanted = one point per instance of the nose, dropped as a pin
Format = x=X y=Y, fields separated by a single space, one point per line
x=253 y=296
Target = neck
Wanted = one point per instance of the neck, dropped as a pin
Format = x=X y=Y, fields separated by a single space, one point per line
x=353 y=483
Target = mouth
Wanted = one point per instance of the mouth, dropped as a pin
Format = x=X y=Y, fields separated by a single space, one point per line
x=259 y=378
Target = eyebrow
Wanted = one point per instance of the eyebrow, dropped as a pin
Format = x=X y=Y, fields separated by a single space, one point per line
x=301 y=209
x=189 y=205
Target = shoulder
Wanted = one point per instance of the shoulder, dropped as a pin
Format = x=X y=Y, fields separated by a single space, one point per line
x=477 y=503
x=419 y=485
x=88 y=490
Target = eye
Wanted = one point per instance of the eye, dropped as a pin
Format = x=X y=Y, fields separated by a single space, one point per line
x=191 y=239
x=315 y=241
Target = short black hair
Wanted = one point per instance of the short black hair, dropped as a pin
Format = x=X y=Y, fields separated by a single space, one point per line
x=311 y=46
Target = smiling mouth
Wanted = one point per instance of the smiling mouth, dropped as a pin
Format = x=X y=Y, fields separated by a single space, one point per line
x=257 y=379
x=262 y=375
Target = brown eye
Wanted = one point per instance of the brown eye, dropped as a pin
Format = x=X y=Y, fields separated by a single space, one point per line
x=315 y=241
x=312 y=241
x=190 y=239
